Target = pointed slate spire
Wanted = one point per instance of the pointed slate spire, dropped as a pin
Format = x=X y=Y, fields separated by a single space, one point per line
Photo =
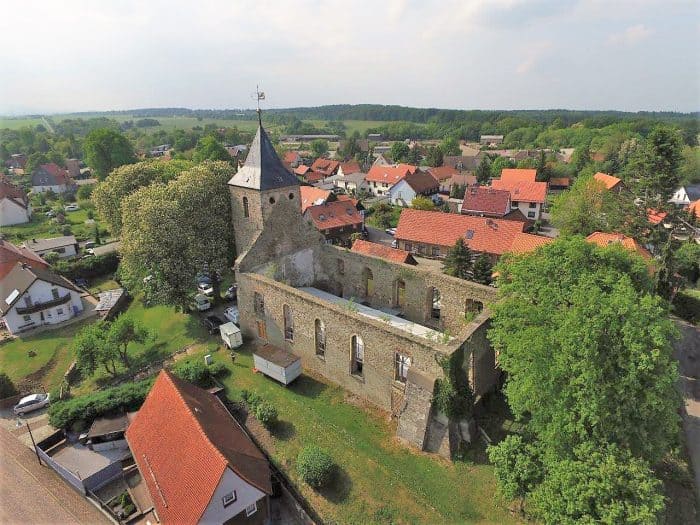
x=263 y=169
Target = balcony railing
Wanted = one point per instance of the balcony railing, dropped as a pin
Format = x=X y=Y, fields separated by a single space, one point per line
x=37 y=307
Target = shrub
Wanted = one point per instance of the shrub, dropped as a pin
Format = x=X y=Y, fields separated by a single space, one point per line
x=251 y=398
x=130 y=396
x=315 y=466
x=7 y=387
x=88 y=268
x=266 y=413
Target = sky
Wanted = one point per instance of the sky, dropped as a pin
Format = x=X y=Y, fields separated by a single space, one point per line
x=85 y=55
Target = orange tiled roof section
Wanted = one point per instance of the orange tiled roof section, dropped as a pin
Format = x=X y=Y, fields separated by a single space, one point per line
x=336 y=214
x=609 y=181
x=518 y=175
x=442 y=173
x=10 y=255
x=183 y=439
x=694 y=208
x=389 y=174
x=522 y=190
x=311 y=195
x=606 y=239
x=379 y=250
x=526 y=242
x=494 y=236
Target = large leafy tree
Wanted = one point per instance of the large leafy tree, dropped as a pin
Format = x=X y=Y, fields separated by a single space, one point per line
x=653 y=169
x=399 y=151
x=458 y=262
x=175 y=231
x=586 y=346
x=208 y=148
x=434 y=157
x=109 y=194
x=450 y=146
x=483 y=170
x=106 y=149
x=422 y=203
x=319 y=147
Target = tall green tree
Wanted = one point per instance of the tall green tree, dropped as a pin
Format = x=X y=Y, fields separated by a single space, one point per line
x=483 y=269
x=586 y=346
x=483 y=170
x=543 y=170
x=92 y=350
x=208 y=148
x=177 y=230
x=319 y=147
x=450 y=147
x=106 y=149
x=399 y=151
x=123 y=331
x=109 y=193
x=458 y=262
x=434 y=157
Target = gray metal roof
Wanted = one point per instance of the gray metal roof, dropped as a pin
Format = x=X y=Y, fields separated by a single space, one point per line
x=22 y=276
x=263 y=169
x=49 y=244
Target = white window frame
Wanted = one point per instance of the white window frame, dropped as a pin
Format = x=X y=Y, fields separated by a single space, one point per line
x=251 y=509
x=231 y=495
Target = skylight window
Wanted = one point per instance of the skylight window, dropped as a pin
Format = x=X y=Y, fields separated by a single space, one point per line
x=469 y=234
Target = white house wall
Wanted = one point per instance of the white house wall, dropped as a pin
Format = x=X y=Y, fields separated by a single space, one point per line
x=12 y=213
x=401 y=191
x=524 y=208
x=40 y=292
x=246 y=495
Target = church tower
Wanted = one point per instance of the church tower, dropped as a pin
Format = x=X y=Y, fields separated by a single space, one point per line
x=262 y=187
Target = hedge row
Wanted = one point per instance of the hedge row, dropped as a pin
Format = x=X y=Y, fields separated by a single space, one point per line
x=89 y=267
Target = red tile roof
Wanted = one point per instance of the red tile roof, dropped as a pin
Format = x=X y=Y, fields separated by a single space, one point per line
x=521 y=190
x=326 y=166
x=291 y=156
x=560 y=181
x=183 y=439
x=694 y=208
x=609 y=181
x=336 y=214
x=10 y=191
x=350 y=166
x=389 y=174
x=10 y=255
x=58 y=175
x=302 y=170
x=655 y=217
x=494 y=236
x=443 y=173
x=489 y=201
x=526 y=242
x=518 y=175
x=379 y=250
x=606 y=239
x=311 y=196
x=314 y=176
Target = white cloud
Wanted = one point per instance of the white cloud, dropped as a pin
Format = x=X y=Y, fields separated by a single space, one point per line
x=630 y=36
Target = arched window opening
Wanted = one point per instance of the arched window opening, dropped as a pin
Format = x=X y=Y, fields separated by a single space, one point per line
x=358 y=355
x=436 y=304
x=320 y=332
x=259 y=304
x=288 y=323
x=246 y=211
x=368 y=282
x=402 y=363
x=399 y=293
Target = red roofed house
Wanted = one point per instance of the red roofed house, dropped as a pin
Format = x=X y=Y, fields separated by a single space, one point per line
x=606 y=239
x=197 y=461
x=14 y=205
x=610 y=182
x=51 y=177
x=433 y=233
x=336 y=220
x=527 y=242
x=382 y=251
x=694 y=209
x=311 y=196
x=325 y=166
x=292 y=158
x=10 y=255
x=301 y=170
x=380 y=178
x=443 y=175
x=486 y=202
x=411 y=186
x=526 y=195
x=349 y=167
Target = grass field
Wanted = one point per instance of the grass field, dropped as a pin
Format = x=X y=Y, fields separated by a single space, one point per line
x=379 y=480
x=42 y=226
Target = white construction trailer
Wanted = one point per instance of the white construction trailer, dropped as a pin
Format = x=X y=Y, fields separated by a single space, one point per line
x=231 y=335
x=276 y=363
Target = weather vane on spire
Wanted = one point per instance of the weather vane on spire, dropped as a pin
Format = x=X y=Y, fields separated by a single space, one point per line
x=260 y=96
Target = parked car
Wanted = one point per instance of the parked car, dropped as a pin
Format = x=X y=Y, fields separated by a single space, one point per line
x=390 y=231
x=90 y=251
x=394 y=243
x=89 y=245
x=202 y=302
x=231 y=293
x=206 y=288
x=72 y=207
x=212 y=323
x=81 y=282
x=231 y=313
x=30 y=403
x=50 y=213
